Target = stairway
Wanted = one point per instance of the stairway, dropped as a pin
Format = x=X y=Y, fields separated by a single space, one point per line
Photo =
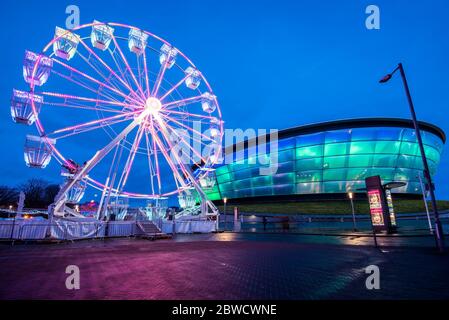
x=149 y=230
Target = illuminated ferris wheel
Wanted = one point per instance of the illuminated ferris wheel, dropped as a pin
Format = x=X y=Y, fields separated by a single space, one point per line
x=123 y=111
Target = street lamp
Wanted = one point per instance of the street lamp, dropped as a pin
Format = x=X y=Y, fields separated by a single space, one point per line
x=224 y=209
x=351 y=197
x=438 y=229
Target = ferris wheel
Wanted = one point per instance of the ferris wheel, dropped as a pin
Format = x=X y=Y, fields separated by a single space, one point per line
x=123 y=111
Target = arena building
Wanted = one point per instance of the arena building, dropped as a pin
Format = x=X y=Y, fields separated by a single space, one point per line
x=328 y=160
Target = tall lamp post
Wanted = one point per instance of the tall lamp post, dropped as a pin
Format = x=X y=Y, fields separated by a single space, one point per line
x=225 y=200
x=438 y=229
x=351 y=197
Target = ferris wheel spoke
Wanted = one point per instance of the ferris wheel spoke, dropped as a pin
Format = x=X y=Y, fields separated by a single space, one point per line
x=87 y=87
x=173 y=88
x=91 y=65
x=129 y=162
x=182 y=102
x=125 y=61
x=159 y=78
x=109 y=68
x=168 y=158
x=72 y=69
x=150 y=164
x=188 y=114
x=97 y=123
x=83 y=130
x=189 y=128
x=184 y=142
x=82 y=107
x=85 y=99
x=145 y=67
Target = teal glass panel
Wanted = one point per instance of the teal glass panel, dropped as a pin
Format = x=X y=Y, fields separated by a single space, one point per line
x=213 y=196
x=287 y=144
x=433 y=141
x=334 y=187
x=432 y=154
x=309 y=176
x=242 y=174
x=359 y=173
x=384 y=160
x=411 y=162
x=409 y=148
x=336 y=149
x=224 y=178
x=284 y=189
x=335 y=162
x=360 y=161
x=309 y=164
x=403 y=174
x=286 y=167
x=222 y=170
x=227 y=186
x=309 y=152
x=362 y=147
x=386 y=174
x=363 y=134
x=390 y=134
x=284 y=178
x=335 y=174
x=354 y=185
x=310 y=139
x=261 y=181
x=337 y=136
x=391 y=147
x=263 y=191
x=309 y=188
x=242 y=184
x=286 y=155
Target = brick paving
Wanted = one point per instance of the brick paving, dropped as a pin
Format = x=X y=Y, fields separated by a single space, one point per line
x=223 y=267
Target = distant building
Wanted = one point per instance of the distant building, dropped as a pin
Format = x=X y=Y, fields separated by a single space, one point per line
x=327 y=160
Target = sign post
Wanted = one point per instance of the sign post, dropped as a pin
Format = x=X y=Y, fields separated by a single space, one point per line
x=380 y=215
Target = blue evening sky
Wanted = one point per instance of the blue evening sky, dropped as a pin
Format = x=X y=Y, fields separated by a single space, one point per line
x=273 y=64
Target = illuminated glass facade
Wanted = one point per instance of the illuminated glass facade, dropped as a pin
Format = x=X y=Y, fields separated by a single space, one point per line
x=332 y=160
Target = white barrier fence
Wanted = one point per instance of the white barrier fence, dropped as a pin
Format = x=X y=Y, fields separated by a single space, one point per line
x=72 y=230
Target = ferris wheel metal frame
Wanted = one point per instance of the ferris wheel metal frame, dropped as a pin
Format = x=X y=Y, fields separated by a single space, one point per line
x=135 y=100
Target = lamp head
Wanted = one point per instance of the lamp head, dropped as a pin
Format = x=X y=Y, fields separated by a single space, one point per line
x=386 y=78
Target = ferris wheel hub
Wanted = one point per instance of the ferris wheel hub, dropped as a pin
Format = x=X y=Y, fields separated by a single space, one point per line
x=153 y=105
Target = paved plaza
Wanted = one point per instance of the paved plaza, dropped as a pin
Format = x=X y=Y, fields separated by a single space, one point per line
x=225 y=266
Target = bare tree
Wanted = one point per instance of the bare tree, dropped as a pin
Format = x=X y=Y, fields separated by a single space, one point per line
x=38 y=193
x=8 y=196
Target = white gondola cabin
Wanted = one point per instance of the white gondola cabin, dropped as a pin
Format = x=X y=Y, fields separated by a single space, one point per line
x=43 y=65
x=38 y=151
x=137 y=41
x=66 y=43
x=168 y=55
x=101 y=35
x=21 y=106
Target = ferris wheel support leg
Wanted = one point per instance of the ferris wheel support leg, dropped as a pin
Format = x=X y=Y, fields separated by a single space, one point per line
x=59 y=204
x=100 y=205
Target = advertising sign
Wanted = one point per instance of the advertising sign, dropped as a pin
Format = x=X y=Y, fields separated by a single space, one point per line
x=390 y=207
x=378 y=206
x=375 y=206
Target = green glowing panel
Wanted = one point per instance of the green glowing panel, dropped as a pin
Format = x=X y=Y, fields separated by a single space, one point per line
x=335 y=162
x=309 y=176
x=335 y=174
x=309 y=152
x=360 y=161
x=391 y=147
x=309 y=164
x=362 y=147
x=336 y=149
